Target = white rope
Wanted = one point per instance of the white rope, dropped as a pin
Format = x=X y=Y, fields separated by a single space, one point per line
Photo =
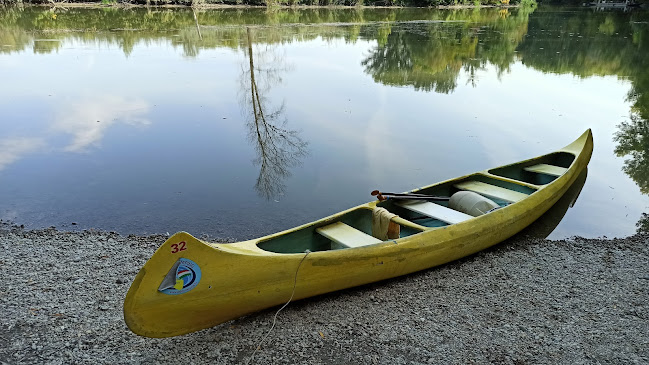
x=307 y=252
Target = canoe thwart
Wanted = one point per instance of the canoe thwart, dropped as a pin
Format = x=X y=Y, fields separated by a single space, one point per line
x=547 y=169
x=436 y=211
x=347 y=236
x=492 y=191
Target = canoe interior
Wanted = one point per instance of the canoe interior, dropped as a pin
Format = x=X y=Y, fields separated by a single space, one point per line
x=307 y=238
x=518 y=172
x=448 y=188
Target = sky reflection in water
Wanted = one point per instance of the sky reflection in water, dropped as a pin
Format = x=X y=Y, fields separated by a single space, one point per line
x=163 y=129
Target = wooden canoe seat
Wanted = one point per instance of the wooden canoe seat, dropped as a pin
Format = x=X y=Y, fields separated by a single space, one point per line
x=547 y=169
x=347 y=236
x=436 y=211
x=491 y=191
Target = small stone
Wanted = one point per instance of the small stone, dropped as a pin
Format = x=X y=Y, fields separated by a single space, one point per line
x=119 y=281
x=79 y=281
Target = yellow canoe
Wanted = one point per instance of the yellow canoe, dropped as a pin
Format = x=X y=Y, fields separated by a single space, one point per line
x=189 y=284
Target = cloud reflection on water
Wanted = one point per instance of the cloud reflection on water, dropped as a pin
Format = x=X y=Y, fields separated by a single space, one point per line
x=13 y=149
x=89 y=120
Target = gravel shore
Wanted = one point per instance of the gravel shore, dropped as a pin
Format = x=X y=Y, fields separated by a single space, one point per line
x=525 y=301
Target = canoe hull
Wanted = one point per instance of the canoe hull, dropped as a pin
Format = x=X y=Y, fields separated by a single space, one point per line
x=240 y=278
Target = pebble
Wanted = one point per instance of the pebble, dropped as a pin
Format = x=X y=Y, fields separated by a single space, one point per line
x=493 y=307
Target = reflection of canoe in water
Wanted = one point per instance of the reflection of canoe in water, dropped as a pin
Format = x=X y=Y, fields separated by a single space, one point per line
x=188 y=284
x=546 y=224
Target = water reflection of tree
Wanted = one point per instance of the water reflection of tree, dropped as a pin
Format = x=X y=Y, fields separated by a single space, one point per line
x=126 y=28
x=610 y=43
x=431 y=56
x=278 y=148
x=633 y=141
x=548 y=222
x=415 y=59
x=642 y=226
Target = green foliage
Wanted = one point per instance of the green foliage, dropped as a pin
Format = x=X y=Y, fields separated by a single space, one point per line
x=432 y=58
x=275 y=3
x=606 y=44
x=528 y=3
x=633 y=141
x=607 y=27
x=642 y=226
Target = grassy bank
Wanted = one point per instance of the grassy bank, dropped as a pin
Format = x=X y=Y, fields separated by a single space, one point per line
x=271 y=3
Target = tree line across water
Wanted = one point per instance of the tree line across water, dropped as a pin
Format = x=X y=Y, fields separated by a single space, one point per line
x=429 y=56
x=271 y=3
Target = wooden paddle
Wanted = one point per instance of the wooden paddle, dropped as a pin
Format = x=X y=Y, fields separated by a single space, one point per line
x=406 y=196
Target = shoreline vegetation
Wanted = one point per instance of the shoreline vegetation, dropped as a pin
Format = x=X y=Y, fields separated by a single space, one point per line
x=442 y=4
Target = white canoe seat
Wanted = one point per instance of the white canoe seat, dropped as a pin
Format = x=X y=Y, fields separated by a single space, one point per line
x=491 y=191
x=347 y=236
x=436 y=211
x=547 y=169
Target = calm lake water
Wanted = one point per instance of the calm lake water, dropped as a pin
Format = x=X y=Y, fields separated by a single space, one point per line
x=143 y=121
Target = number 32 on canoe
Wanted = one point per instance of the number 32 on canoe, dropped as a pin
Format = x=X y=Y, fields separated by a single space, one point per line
x=214 y=283
x=177 y=247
